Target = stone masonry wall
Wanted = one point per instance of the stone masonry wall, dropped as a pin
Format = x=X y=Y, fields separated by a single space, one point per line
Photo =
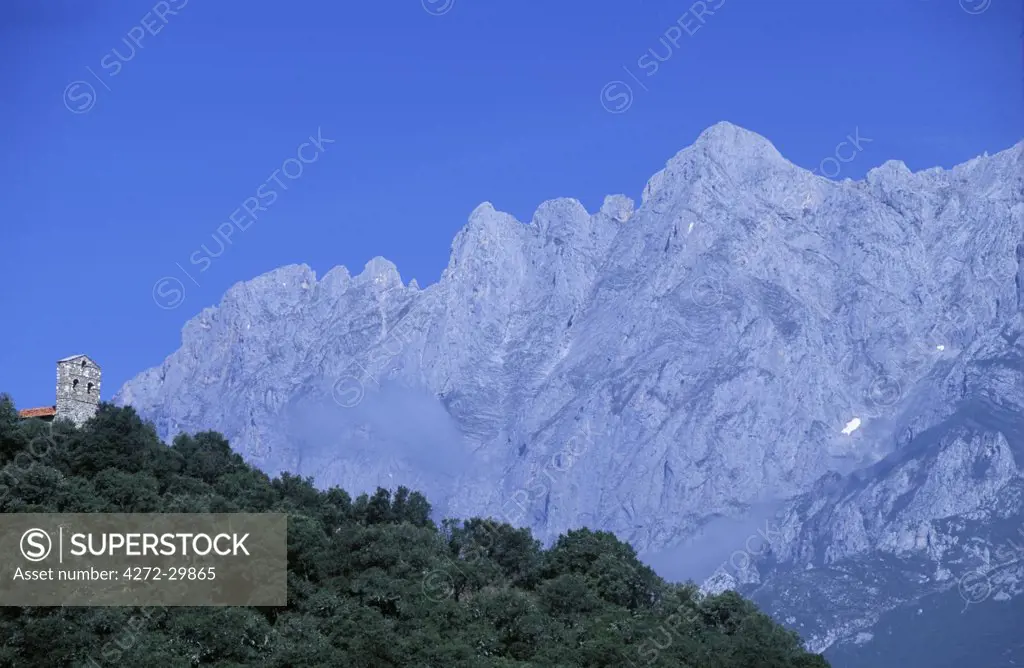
x=78 y=389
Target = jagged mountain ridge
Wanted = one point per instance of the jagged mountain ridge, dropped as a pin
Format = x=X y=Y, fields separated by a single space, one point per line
x=701 y=351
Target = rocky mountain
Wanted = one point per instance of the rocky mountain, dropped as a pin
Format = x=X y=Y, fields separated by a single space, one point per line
x=749 y=332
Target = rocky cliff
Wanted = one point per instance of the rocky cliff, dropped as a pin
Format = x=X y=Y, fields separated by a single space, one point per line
x=942 y=516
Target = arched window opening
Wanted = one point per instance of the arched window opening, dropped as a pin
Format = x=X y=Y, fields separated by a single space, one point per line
x=74 y=384
x=83 y=364
x=88 y=388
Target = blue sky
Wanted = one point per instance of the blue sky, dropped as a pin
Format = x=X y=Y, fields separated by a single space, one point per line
x=117 y=167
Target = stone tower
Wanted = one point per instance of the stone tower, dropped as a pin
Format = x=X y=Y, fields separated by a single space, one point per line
x=78 y=389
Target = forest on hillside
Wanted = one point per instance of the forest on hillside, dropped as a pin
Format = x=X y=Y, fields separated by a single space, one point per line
x=373 y=582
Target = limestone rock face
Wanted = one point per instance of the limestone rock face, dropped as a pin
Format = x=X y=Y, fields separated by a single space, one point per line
x=941 y=515
x=642 y=369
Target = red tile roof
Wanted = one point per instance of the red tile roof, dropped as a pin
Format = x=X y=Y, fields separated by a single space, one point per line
x=45 y=411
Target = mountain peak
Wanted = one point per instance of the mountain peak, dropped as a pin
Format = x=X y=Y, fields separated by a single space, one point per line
x=726 y=139
x=484 y=210
x=381 y=272
x=721 y=148
x=487 y=232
